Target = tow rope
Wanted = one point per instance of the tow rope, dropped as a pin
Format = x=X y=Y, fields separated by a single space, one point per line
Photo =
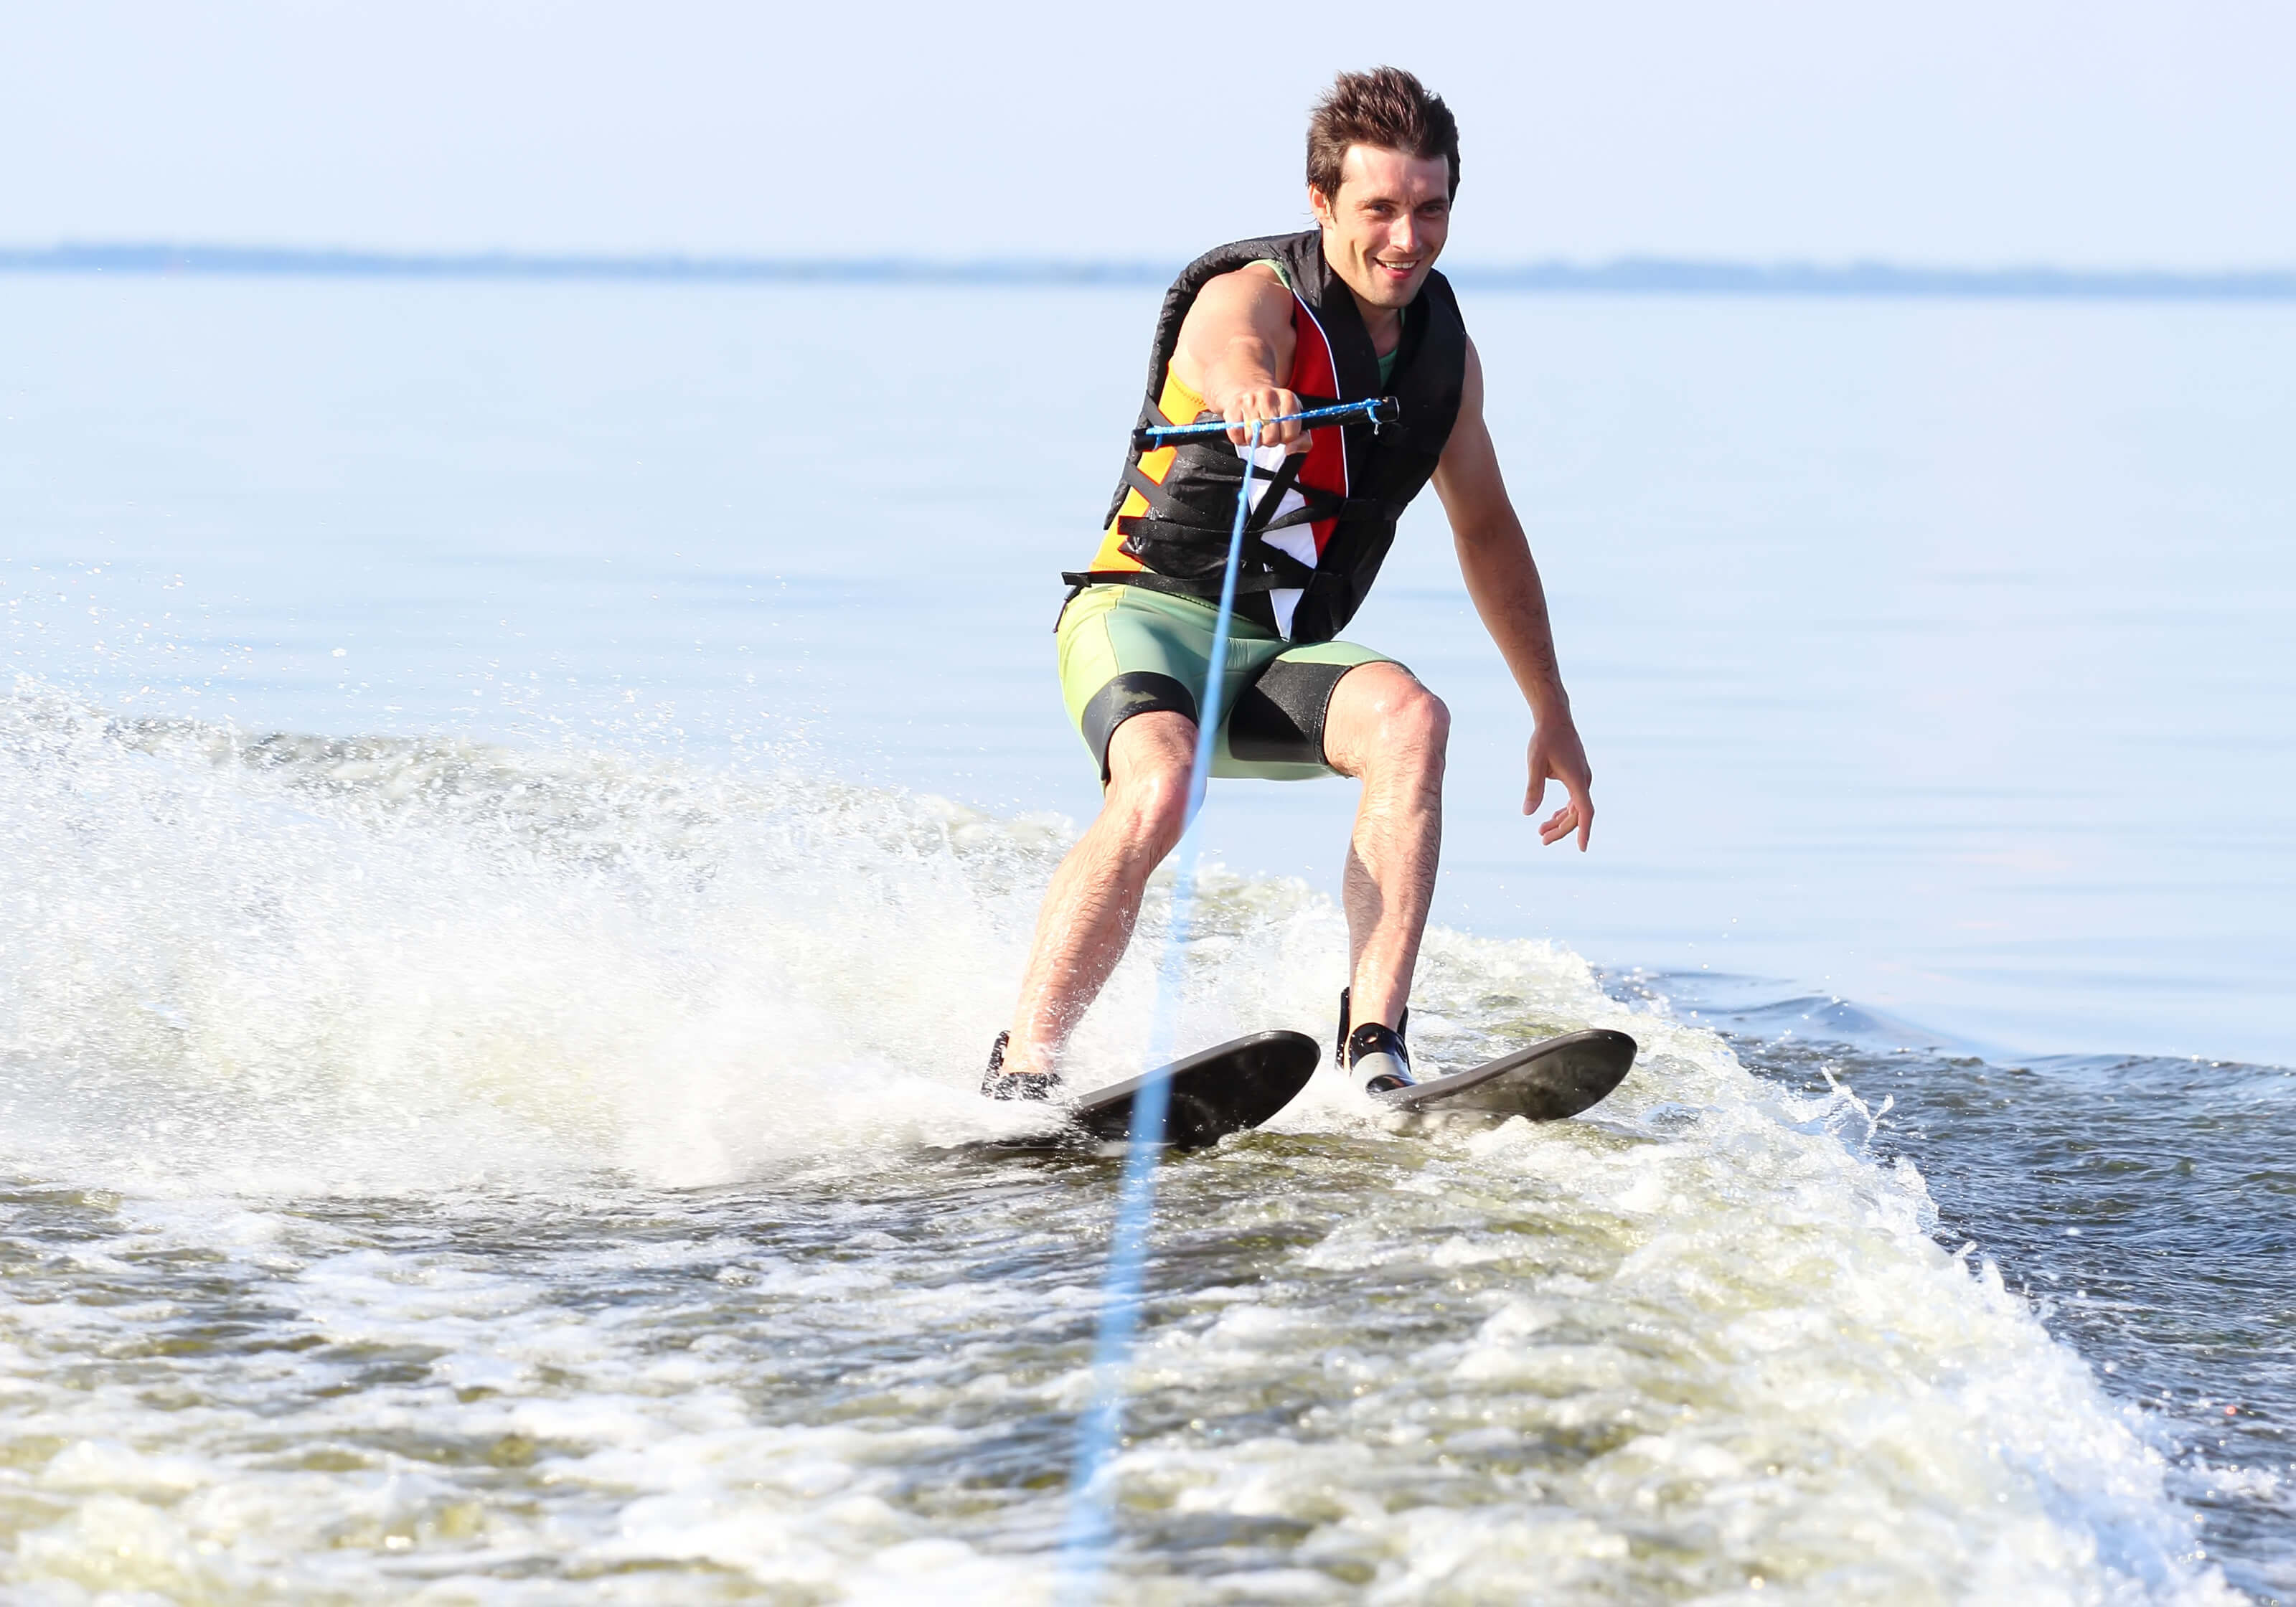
x=1085 y=1537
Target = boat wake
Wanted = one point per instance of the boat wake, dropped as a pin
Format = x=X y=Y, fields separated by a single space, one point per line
x=438 y=1172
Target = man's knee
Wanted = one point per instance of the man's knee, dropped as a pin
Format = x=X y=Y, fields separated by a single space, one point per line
x=1419 y=719
x=1158 y=803
x=1393 y=720
x=1149 y=763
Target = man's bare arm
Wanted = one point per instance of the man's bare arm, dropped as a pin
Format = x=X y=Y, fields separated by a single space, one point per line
x=1235 y=348
x=1502 y=578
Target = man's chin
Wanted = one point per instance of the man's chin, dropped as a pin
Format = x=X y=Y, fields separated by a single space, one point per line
x=1387 y=290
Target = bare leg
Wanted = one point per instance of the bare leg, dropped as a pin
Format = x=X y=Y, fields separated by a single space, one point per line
x=1386 y=728
x=1094 y=897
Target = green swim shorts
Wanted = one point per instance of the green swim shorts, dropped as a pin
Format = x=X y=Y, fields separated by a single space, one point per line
x=1126 y=650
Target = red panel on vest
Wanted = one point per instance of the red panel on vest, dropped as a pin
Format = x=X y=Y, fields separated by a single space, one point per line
x=1315 y=373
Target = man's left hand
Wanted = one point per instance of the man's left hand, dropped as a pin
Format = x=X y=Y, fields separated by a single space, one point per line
x=1556 y=755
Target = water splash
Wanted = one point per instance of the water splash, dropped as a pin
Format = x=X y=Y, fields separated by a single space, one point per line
x=438 y=1167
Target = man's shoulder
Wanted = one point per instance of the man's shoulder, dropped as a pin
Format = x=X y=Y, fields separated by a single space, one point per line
x=1237 y=255
x=1259 y=275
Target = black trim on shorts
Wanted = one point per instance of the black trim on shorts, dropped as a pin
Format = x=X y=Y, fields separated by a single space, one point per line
x=1133 y=692
x=1280 y=717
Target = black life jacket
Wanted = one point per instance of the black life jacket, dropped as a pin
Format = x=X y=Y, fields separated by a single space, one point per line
x=1354 y=483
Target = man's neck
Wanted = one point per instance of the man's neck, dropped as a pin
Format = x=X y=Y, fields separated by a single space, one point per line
x=1384 y=324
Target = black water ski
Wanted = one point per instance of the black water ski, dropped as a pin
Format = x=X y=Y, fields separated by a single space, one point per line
x=1548 y=1080
x=1216 y=1092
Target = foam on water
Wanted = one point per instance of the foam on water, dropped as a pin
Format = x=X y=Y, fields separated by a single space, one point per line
x=444 y=1174
x=296 y=964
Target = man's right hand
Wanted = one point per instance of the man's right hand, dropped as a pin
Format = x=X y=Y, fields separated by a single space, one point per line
x=1255 y=403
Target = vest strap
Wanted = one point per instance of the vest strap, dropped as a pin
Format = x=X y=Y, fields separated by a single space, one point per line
x=1175 y=515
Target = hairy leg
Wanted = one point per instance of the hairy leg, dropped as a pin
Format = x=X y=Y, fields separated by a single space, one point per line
x=1094 y=897
x=1385 y=728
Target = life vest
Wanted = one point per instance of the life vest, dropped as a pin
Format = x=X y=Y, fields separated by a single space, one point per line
x=1325 y=521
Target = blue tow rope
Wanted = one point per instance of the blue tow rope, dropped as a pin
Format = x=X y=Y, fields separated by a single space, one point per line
x=1086 y=1535
x=1084 y=1538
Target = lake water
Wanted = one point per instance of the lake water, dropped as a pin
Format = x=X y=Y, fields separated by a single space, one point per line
x=524 y=804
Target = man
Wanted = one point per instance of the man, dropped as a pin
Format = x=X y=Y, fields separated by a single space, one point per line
x=1259 y=331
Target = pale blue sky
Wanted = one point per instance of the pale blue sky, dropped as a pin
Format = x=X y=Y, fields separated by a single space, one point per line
x=2099 y=134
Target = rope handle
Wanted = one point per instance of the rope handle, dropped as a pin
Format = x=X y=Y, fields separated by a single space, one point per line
x=1376 y=410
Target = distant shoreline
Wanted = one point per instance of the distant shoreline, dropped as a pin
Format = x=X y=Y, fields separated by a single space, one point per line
x=1633 y=276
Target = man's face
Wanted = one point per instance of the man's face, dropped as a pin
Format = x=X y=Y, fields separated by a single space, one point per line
x=1383 y=229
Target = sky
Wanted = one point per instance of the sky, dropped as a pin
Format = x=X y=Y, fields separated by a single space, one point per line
x=2099 y=134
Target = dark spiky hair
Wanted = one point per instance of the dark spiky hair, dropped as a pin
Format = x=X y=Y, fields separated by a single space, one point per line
x=1387 y=109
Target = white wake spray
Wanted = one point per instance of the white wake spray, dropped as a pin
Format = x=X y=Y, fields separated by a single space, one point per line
x=1697 y=1347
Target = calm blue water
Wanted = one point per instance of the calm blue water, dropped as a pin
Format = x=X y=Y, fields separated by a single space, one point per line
x=1932 y=661
x=1928 y=652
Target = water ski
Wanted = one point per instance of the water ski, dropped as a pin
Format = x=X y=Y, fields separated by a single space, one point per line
x=1215 y=1092
x=1546 y=1081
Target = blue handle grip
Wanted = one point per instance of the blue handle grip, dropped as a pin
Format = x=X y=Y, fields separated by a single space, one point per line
x=1376 y=410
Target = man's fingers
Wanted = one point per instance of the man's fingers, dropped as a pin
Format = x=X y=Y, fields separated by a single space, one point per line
x=1578 y=811
x=1286 y=405
x=1259 y=407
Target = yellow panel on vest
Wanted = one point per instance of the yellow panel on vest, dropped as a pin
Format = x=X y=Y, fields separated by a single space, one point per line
x=1179 y=405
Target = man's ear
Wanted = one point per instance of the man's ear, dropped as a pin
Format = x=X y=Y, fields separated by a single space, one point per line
x=1319 y=205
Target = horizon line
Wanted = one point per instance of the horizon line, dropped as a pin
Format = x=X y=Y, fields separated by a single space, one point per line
x=1637 y=275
